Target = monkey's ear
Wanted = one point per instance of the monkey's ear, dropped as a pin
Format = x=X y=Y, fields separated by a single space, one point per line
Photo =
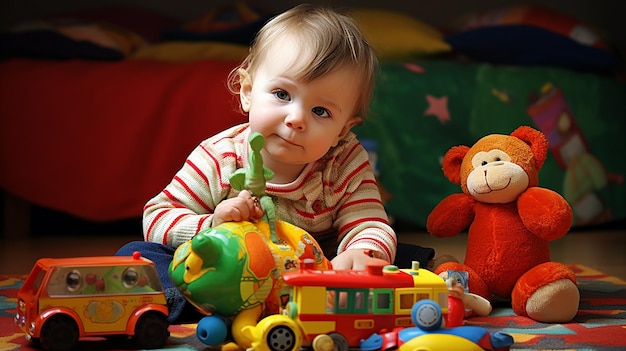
x=536 y=140
x=452 y=161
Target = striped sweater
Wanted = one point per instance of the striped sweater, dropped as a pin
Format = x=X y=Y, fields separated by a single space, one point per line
x=336 y=199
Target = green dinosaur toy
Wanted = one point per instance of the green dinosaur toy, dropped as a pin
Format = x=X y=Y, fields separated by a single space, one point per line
x=254 y=179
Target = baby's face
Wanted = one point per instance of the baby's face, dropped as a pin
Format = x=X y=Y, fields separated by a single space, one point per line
x=301 y=121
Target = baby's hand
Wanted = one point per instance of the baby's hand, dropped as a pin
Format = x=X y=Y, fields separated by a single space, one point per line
x=357 y=259
x=244 y=207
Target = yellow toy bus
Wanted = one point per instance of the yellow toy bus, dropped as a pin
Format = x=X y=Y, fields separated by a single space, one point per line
x=65 y=299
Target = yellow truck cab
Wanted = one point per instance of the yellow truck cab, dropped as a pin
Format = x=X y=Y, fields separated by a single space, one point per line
x=66 y=299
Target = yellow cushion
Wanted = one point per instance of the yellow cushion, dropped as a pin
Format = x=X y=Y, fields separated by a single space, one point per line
x=398 y=36
x=188 y=51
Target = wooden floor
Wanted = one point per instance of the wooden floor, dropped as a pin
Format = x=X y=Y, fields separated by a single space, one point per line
x=602 y=249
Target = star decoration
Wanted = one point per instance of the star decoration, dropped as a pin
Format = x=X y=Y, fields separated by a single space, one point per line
x=438 y=107
x=414 y=67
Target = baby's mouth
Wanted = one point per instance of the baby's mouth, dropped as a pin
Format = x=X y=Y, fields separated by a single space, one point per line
x=289 y=141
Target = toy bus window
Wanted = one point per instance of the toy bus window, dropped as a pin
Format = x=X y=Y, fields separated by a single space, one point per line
x=130 y=277
x=343 y=300
x=150 y=278
x=347 y=300
x=408 y=298
x=443 y=299
x=382 y=300
x=34 y=280
x=337 y=300
x=406 y=301
x=360 y=301
x=73 y=281
x=330 y=300
x=421 y=296
x=38 y=280
x=68 y=281
x=65 y=281
x=95 y=280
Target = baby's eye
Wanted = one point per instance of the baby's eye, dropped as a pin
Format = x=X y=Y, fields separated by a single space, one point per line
x=320 y=111
x=281 y=95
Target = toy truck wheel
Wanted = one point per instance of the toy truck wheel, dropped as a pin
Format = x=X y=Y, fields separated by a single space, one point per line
x=341 y=344
x=151 y=330
x=281 y=338
x=323 y=342
x=59 y=333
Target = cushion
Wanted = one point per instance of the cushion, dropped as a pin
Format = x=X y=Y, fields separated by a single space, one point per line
x=52 y=44
x=530 y=45
x=67 y=39
x=146 y=23
x=188 y=51
x=395 y=35
x=232 y=23
x=538 y=16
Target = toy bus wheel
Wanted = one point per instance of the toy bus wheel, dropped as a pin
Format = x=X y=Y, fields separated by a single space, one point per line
x=281 y=338
x=341 y=344
x=427 y=315
x=151 y=330
x=59 y=333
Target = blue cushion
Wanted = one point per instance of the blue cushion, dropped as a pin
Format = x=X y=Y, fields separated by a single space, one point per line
x=530 y=45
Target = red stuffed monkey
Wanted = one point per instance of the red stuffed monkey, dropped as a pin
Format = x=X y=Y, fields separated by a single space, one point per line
x=511 y=222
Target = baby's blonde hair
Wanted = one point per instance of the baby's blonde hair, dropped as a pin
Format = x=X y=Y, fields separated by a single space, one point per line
x=333 y=40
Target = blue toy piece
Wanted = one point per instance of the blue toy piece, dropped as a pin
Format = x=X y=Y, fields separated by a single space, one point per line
x=212 y=330
x=427 y=317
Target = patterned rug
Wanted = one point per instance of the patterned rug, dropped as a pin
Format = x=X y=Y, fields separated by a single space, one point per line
x=600 y=324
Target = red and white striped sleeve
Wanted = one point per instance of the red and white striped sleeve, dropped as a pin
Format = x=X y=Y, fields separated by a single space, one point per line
x=361 y=219
x=186 y=205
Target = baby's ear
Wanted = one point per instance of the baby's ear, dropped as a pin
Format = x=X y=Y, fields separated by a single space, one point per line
x=245 y=89
x=351 y=122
